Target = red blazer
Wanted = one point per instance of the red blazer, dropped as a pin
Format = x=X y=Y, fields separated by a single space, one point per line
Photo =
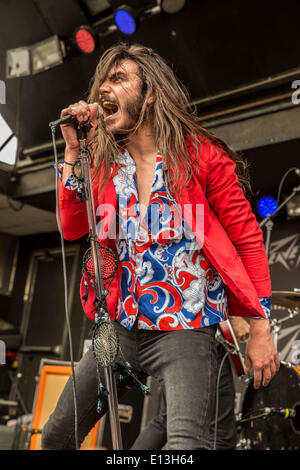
x=232 y=239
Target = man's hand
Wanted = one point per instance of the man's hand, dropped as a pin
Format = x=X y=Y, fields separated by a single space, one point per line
x=83 y=112
x=261 y=354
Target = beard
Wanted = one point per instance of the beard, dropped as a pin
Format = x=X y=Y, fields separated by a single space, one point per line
x=133 y=109
x=131 y=113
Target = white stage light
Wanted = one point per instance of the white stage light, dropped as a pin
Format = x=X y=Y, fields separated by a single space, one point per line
x=18 y=62
x=47 y=54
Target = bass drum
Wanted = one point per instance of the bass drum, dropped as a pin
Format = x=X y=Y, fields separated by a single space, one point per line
x=273 y=431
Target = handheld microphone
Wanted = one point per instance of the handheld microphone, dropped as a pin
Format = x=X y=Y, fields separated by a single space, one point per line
x=68 y=119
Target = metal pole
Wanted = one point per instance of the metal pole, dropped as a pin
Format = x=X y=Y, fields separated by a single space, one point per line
x=114 y=419
x=110 y=381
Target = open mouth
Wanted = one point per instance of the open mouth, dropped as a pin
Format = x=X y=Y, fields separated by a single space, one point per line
x=110 y=109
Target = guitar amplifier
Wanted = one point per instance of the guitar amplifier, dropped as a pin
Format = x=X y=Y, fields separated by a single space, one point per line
x=53 y=376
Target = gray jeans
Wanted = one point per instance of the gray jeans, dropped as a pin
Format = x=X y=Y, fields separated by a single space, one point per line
x=183 y=362
x=154 y=435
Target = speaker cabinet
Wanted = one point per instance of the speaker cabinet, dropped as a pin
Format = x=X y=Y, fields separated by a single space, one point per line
x=53 y=378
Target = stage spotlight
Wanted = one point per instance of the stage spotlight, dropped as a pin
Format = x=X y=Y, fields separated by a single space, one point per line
x=125 y=20
x=172 y=6
x=96 y=7
x=47 y=54
x=267 y=206
x=85 y=39
x=34 y=59
x=18 y=62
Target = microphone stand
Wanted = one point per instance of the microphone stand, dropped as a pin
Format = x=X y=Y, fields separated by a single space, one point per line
x=85 y=192
x=268 y=222
x=108 y=371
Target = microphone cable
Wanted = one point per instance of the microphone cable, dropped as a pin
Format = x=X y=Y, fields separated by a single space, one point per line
x=217 y=399
x=65 y=290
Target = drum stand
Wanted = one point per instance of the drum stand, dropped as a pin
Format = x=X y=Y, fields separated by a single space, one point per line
x=277 y=324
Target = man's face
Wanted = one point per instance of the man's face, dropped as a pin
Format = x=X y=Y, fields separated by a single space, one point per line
x=121 y=98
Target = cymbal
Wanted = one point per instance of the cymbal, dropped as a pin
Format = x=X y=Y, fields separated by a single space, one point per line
x=286 y=299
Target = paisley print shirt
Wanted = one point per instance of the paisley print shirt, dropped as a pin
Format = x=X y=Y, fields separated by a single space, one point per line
x=167 y=282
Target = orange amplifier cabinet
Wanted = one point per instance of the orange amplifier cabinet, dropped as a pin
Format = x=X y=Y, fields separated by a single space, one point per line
x=52 y=381
x=297 y=368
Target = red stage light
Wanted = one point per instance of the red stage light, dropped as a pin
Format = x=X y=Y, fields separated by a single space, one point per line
x=85 y=40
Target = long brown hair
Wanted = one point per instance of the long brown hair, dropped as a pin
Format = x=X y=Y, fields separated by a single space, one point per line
x=173 y=118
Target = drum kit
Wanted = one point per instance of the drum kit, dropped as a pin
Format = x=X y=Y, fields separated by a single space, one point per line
x=270 y=416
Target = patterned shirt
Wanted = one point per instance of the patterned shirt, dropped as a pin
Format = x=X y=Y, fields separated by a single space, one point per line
x=167 y=282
